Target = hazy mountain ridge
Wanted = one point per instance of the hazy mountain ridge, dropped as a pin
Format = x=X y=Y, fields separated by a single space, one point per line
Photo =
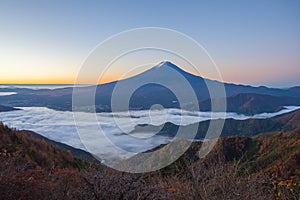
x=250 y=103
x=7 y=108
x=232 y=127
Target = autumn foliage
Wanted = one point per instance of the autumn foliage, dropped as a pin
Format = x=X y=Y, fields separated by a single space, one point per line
x=266 y=166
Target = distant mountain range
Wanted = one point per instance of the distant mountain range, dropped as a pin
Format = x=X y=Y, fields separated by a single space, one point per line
x=250 y=103
x=7 y=108
x=232 y=127
x=241 y=98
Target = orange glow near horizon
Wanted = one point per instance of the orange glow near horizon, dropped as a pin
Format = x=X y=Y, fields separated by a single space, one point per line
x=59 y=80
x=37 y=81
x=230 y=75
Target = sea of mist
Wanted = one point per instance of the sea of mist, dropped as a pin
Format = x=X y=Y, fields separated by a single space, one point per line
x=61 y=126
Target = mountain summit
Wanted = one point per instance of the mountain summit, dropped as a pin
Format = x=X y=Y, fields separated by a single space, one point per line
x=166 y=64
x=165 y=69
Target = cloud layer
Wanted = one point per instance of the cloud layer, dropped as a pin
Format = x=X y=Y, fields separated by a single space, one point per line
x=105 y=136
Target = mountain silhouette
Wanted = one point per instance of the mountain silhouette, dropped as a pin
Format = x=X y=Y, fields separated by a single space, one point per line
x=162 y=84
x=166 y=72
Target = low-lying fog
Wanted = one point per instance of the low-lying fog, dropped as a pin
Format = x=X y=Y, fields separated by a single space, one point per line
x=60 y=126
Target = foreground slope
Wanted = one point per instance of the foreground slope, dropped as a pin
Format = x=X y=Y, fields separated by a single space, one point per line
x=265 y=166
x=32 y=167
x=35 y=169
x=261 y=167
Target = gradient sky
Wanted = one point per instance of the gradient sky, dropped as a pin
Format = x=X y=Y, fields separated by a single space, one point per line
x=252 y=42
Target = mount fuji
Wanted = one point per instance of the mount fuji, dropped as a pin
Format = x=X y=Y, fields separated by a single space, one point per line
x=170 y=74
x=154 y=86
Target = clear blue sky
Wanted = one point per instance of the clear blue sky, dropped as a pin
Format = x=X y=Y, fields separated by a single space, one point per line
x=252 y=42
